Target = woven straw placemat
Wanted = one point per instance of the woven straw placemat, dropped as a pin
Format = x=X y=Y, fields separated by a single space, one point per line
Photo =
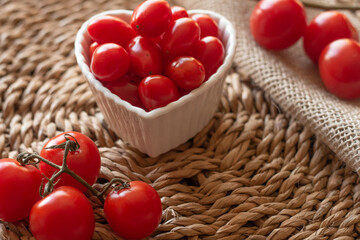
x=253 y=172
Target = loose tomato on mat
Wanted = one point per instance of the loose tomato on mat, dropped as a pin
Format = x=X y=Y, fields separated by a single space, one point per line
x=19 y=189
x=109 y=62
x=278 y=24
x=145 y=57
x=208 y=27
x=325 y=28
x=108 y=29
x=133 y=211
x=157 y=91
x=187 y=72
x=180 y=37
x=84 y=161
x=151 y=18
x=339 y=68
x=63 y=214
x=211 y=53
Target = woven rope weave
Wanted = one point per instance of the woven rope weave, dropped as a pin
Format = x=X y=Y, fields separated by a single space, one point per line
x=251 y=173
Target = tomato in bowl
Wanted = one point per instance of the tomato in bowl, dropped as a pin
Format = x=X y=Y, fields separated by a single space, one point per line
x=159 y=130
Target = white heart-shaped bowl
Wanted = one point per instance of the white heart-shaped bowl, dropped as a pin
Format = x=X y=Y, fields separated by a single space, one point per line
x=162 y=129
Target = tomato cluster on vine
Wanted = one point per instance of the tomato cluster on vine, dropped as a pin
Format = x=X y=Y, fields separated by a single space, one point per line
x=161 y=55
x=329 y=40
x=69 y=164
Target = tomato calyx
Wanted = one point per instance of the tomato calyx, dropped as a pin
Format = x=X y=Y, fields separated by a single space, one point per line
x=73 y=145
x=121 y=186
x=25 y=159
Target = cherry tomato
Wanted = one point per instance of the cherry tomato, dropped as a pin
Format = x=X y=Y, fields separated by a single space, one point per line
x=63 y=214
x=19 y=189
x=211 y=53
x=157 y=40
x=126 y=89
x=178 y=12
x=339 y=68
x=278 y=24
x=145 y=57
x=207 y=25
x=109 y=62
x=180 y=37
x=183 y=92
x=128 y=78
x=108 y=29
x=323 y=29
x=133 y=212
x=157 y=91
x=85 y=161
x=151 y=18
x=187 y=72
x=92 y=48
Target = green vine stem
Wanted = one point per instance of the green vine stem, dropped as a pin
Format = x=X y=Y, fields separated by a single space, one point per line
x=26 y=158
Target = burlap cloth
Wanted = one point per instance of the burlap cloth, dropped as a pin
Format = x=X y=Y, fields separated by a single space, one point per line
x=263 y=168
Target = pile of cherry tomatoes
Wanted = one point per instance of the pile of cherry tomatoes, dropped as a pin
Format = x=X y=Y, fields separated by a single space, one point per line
x=133 y=210
x=161 y=55
x=329 y=40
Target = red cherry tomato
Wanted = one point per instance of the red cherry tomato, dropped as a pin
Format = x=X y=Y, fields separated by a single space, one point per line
x=126 y=89
x=278 y=24
x=183 y=92
x=133 y=212
x=92 y=48
x=63 y=214
x=180 y=37
x=211 y=53
x=157 y=40
x=151 y=18
x=108 y=29
x=207 y=25
x=19 y=189
x=339 y=68
x=323 y=29
x=145 y=57
x=187 y=72
x=157 y=91
x=84 y=161
x=134 y=79
x=127 y=78
x=178 y=12
x=109 y=62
